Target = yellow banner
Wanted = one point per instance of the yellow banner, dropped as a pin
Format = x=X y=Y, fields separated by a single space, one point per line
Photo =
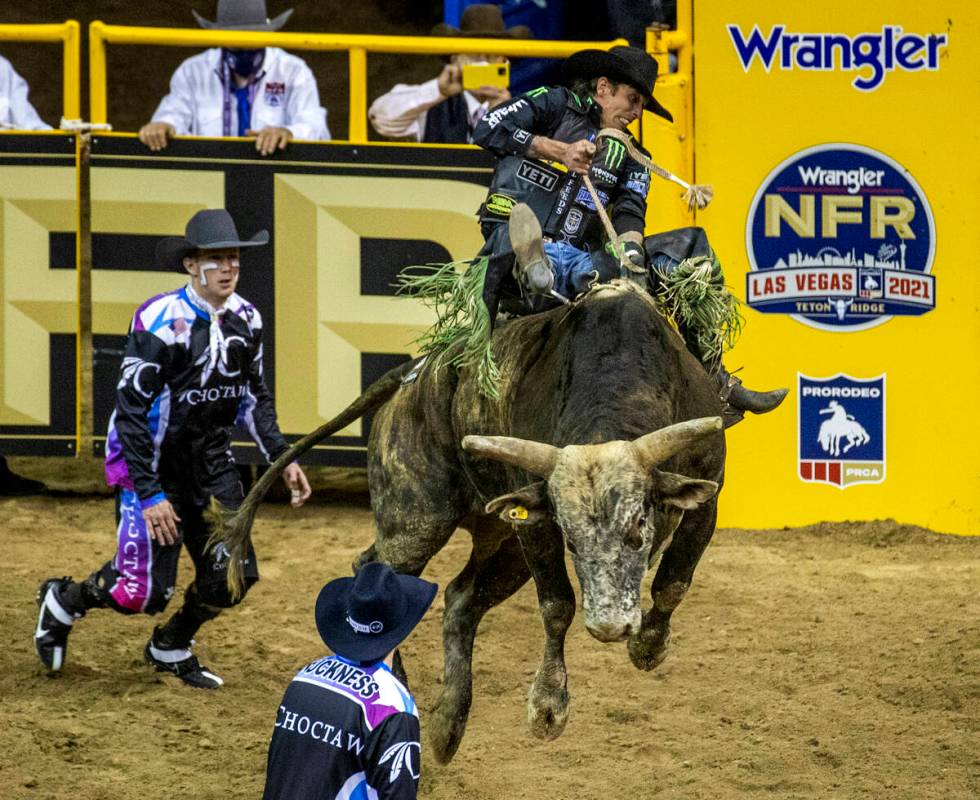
x=842 y=147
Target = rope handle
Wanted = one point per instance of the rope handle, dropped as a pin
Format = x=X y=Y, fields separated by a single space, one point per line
x=695 y=195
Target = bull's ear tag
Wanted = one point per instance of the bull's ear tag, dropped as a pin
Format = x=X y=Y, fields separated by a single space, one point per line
x=517 y=513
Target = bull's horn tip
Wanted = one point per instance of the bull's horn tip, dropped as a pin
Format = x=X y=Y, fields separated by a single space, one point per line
x=470 y=441
x=715 y=423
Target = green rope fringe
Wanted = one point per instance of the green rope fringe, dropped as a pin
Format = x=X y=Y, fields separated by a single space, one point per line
x=460 y=336
x=695 y=295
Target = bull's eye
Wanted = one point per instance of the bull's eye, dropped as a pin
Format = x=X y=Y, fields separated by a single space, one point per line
x=641 y=523
x=571 y=547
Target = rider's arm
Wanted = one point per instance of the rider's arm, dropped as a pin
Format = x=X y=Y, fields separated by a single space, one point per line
x=510 y=128
x=630 y=202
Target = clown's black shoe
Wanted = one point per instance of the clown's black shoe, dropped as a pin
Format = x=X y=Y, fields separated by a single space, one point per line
x=181 y=662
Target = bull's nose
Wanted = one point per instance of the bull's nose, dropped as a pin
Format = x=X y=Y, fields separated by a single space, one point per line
x=609 y=631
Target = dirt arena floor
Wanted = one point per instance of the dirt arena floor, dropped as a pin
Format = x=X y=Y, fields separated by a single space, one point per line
x=836 y=661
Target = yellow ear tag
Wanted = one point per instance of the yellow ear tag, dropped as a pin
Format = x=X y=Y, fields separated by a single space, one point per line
x=517 y=512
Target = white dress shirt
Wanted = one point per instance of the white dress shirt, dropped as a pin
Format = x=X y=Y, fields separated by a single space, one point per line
x=285 y=97
x=401 y=113
x=16 y=112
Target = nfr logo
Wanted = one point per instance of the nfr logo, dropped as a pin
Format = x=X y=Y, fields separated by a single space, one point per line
x=842 y=430
x=841 y=238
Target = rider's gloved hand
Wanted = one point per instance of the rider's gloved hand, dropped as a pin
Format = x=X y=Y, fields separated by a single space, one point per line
x=635 y=254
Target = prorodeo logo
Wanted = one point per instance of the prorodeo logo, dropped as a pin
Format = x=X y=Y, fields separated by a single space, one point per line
x=840 y=237
x=841 y=429
x=871 y=54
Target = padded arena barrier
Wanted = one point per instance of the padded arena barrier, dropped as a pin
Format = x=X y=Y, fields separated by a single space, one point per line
x=343 y=219
x=843 y=153
x=39 y=309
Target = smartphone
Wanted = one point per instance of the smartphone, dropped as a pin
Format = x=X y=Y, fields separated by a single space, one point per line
x=478 y=75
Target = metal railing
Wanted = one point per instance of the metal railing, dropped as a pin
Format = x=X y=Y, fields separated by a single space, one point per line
x=356 y=45
x=673 y=145
x=69 y=34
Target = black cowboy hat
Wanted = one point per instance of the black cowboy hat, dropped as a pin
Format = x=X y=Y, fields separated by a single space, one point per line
x=210 y=229
x=482 y=20
x=364 y=618
x=629 y=65
x=243 y=15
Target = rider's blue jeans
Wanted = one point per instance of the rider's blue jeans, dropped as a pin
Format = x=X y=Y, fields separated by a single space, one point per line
x=573 y=268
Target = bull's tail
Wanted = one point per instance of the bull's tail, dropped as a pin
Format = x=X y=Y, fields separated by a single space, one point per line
x=232 y=527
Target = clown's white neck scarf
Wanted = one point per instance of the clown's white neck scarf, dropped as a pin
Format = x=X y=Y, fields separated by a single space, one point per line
x=217 y=347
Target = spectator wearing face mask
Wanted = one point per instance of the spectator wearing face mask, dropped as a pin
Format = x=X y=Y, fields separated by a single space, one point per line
x=440 y=111
x=265 y=93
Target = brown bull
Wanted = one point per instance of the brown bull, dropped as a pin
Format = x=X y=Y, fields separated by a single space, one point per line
x=596 y=400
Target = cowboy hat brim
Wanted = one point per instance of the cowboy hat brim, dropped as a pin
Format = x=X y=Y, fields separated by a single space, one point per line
x=598 y=63
x=270 y=25
x=343 y=640
x=516 y=32
x=171 y=250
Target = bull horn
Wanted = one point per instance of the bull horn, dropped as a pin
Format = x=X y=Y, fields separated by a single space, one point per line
x=656 y=447
x=537 y=458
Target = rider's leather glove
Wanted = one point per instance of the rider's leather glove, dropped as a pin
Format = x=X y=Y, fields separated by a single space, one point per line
x=635 y=254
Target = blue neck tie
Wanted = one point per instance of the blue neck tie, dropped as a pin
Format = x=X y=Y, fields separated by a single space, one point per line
x=244 y=110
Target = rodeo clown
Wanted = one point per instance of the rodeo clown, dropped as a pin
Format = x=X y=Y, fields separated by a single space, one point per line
x=266 y=93
x=192 y=370
x=540 y=210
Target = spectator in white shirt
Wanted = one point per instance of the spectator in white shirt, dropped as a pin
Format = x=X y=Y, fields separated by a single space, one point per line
x=265 y=93
x=16 y=111
x=440 y=111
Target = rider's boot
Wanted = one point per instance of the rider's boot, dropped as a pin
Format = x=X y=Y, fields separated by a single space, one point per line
x=738 y=399
x=535 y=270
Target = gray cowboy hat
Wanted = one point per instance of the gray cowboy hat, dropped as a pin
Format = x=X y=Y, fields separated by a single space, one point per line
x=629 y=65
x=243 y=15
x=210 y=229
x=482 y=20
x=366 y=617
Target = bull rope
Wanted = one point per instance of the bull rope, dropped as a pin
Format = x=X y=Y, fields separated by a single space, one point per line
x=693 y=296
x=695 y=195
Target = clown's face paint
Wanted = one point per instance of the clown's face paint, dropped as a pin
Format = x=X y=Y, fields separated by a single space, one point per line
x=214 y=274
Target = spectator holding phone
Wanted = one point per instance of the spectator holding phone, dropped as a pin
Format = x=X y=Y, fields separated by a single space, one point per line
x=443 y=110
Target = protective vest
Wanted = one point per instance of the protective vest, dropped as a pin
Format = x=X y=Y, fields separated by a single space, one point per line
x=559 y=198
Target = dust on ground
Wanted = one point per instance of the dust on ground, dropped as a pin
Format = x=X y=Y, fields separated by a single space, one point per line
x=839 y=661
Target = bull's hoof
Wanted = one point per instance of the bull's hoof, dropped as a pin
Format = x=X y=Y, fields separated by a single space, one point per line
x=648 y=648
x=447 y=724
x=547 y=710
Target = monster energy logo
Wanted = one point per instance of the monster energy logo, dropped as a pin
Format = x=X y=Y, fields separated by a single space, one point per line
x=615 y=154
x=539 y=91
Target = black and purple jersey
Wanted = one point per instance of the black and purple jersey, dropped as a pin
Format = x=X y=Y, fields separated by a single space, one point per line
x=190 y=373
x=344 y=731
